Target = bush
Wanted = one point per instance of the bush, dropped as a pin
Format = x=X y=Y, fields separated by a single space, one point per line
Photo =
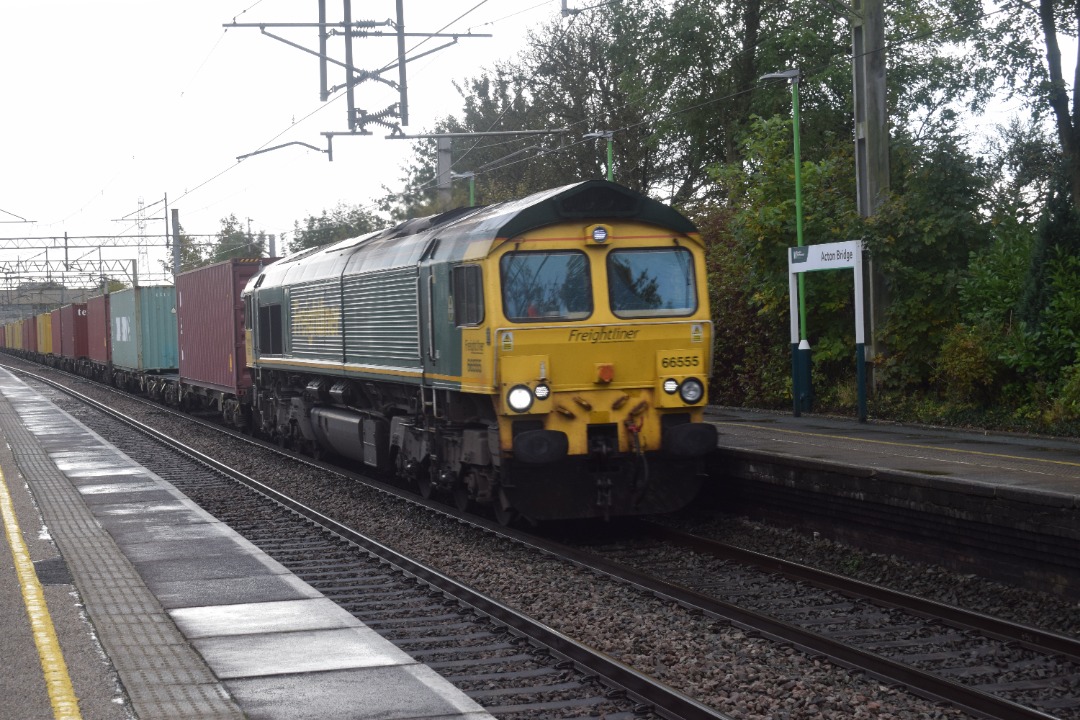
x=967 y=367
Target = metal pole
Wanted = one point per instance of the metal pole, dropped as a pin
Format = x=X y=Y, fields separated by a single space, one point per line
x=443 y=161
x=324 y=94
x=860 y=336
x=803 y=383
x=609 y=135
x=471 y=176
x=798 y=201
x=610 y=157
x=871 y=149
x=349 y=90
x=177 y=255
x=403 y=84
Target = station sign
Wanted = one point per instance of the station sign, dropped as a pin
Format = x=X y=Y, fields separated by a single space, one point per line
x=828 y=256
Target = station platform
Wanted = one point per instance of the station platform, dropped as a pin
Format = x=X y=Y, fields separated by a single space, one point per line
x=120 y=599
x=997 y=505
x=1037 y=469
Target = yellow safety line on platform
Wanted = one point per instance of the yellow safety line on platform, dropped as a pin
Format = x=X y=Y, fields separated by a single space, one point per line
x=900 y=444
x=61 y=694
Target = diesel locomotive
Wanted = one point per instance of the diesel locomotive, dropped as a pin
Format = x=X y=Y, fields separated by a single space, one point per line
x=546 y=357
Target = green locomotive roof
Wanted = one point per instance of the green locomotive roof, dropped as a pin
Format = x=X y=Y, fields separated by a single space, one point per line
x=595 y=200
x=406 y=243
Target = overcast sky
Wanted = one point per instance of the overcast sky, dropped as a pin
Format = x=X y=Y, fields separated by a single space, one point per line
x=107 y=102
x=110 y=101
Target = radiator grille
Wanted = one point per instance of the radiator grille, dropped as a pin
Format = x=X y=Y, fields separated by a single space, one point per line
x=382 y=323
x=315 y=321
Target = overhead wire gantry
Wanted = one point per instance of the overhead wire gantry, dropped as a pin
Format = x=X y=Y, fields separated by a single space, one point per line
x=392 y=117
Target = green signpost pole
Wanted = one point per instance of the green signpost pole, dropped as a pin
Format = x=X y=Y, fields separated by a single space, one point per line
x=801 y=380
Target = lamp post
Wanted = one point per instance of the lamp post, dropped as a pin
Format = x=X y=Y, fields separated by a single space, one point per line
x=472 y=185
x=607 y=135
x=802 y=388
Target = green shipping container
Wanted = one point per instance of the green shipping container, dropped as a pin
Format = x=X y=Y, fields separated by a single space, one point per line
x=142 y=322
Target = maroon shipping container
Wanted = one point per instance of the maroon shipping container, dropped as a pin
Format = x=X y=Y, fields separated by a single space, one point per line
x=210 y=324
x=3 y=336
x=74 y=342
x=30 y=334
x=99 y=348
x=55 y=327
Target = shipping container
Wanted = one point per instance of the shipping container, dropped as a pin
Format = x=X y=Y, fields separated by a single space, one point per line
x=44 y=333
x=99 y=346
x=29 y=335
x=74 y=342
x=16 y=335
x=3 y=336
x=210 y=324
x=142 y=321
x=57 y=334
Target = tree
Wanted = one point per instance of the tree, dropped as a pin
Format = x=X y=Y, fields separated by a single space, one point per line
x=192 y=255
x=1067 y=121
x=234 y=242
x=922 y=238
x=678 y=84
x=340 y=223
x=748 y=236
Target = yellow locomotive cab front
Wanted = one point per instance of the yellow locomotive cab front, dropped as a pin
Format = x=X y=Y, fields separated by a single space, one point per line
x=602 y=353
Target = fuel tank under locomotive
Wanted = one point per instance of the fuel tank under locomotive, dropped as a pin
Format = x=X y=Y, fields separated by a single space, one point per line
x=361 y=437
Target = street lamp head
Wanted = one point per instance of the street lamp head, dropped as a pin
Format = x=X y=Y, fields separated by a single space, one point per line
x=792 y=75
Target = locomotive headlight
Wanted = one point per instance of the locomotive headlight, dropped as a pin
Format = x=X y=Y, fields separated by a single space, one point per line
x=670 y=386
x=542 y=392
x=520 y=398
x=691 y=391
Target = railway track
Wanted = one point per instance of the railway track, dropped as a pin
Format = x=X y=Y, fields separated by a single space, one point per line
x=986 y=667
x=991 y=667
x=510 y=664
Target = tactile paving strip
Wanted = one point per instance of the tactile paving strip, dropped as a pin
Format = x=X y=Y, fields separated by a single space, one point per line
x=162 y=674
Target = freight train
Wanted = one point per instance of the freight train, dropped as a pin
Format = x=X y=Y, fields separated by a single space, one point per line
x=546 y=358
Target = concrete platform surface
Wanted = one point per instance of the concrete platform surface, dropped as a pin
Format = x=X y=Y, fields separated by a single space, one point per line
x=167 y=613
x=1035 y=469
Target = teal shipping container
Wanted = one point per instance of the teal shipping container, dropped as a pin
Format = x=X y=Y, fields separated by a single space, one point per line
x=142 y=321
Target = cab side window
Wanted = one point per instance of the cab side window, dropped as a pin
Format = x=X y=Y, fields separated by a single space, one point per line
x=468 y=295
x=270 y=336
